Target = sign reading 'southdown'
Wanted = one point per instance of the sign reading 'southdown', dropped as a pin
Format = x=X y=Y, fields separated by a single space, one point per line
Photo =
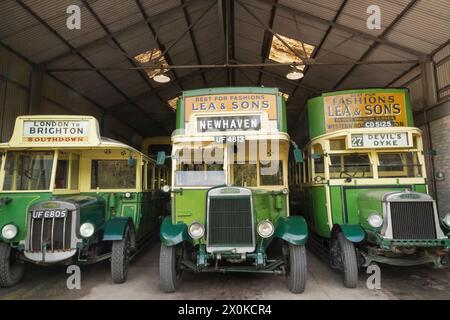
x=239 y=123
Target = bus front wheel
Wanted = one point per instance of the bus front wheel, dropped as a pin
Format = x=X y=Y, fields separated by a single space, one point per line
x=169 y=267
x=296 y=268
x=348 y=261
x=120 y=257
x=11 y=270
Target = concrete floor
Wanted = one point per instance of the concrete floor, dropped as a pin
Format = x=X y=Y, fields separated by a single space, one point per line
x=143 y=283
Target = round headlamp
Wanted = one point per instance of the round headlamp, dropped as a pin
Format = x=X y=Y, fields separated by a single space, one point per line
x=375 y=220
x=166 y=188
x=446 y=220
x=265 y=229
x=285 y=191
x=87 y=229
x=9 y=231
x=196 y=230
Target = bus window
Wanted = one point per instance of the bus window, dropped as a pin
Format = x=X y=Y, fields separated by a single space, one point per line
x=399 y=164
x=28 y=170
x=350 y=166
x=74 y=171
x=62 y=174
x=244 y=174
x=271 y=174
x=112 y=174
x=318 y=159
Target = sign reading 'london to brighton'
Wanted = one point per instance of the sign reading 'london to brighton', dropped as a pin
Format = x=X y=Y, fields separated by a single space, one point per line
x=215 y=103
x=55 y=131
x=365 y=110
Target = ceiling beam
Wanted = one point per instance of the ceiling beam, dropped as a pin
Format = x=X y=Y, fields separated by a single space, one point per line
x=352 y=31
x=194 y=43
x=112 y=34
x=63 y=40
x=374 y=45
x=316 y=52
x=273 y=12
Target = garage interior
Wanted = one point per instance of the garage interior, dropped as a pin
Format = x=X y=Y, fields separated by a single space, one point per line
x=107 y=67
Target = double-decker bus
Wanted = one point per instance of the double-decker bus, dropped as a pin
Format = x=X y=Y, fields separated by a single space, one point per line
x=70 y=196
x=229 y=189
x=363 y=187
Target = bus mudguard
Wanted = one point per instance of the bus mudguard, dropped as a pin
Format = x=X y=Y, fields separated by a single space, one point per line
x=115 y=228
x=173 y=234
x=292 y=229
x=352 y=232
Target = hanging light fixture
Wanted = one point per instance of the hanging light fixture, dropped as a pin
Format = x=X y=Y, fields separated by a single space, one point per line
x=294 y=73
x=161 y=77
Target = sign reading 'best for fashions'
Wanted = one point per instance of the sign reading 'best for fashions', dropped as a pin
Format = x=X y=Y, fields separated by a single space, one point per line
x=56 y=131
x=215 y=103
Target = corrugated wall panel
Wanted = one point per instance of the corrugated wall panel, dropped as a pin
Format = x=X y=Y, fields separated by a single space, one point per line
x=15 y=104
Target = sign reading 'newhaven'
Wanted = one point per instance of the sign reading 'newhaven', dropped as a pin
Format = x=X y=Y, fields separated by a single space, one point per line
x=238 y=123
x=55 y=131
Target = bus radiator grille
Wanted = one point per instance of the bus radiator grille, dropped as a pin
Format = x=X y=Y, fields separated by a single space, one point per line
x=230 y=222
x=413 y=220
x=55 y=233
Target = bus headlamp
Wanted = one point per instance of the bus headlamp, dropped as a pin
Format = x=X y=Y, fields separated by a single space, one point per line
x=9 y=231
x=375 y=220
x=196 y=230
x=446 y=220
x=265 y=229
x=87 y=229
x=285 y=191
x=166 y=188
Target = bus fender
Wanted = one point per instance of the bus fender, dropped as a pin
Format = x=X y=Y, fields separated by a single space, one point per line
x=115 y=229
x=173 y=234
x=352 y=232
x=292 y=229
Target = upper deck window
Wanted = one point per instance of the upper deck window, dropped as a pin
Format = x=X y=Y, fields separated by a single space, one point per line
x=112 y=174
x=28 y=170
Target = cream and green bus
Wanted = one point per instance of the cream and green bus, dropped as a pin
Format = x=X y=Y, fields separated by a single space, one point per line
x=70 y=196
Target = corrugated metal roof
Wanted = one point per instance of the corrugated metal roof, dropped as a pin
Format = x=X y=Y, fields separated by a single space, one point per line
x=424 y=27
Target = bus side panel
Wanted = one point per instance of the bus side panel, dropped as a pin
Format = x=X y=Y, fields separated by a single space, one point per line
x=319 y=203
x=336 y=205
x=190 y=206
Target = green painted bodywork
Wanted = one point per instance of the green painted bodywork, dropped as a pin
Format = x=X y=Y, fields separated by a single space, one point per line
x=16 y=210
x=281 y=103
x=353 y=232
x=292 y=229
x=172 y=234
x=108 y=212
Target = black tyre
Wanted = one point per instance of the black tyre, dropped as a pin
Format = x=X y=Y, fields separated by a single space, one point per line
x=297 y=270
x=120 y=257
x=169 y=267
x=11 y=270
x=349 y=268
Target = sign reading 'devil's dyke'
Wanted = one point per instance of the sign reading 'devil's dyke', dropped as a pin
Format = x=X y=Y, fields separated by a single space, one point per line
x=215 y=103
x=365 y=110
x=55 y=131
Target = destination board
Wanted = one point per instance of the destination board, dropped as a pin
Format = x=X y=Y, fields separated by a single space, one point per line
x=239 y=102
x=380 y=140
x=66 y=131
x=365 y=110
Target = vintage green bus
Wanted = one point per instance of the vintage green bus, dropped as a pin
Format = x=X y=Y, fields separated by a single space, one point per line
x=363 y=187
x=70 y=196
x=229 y=189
